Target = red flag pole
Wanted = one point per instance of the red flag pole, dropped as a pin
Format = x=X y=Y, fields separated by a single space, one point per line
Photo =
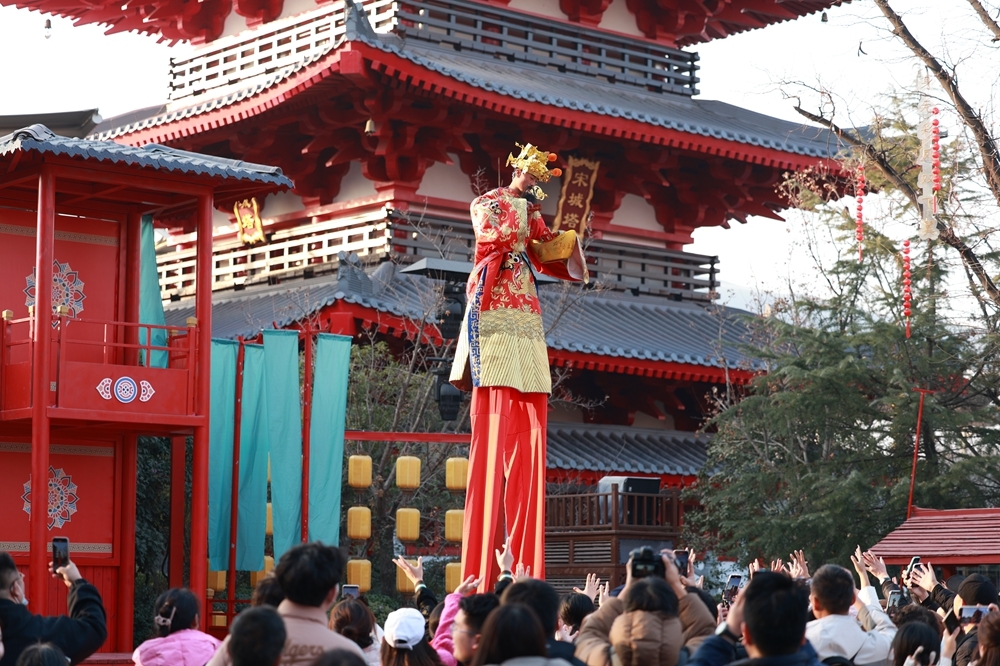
x=916 y=449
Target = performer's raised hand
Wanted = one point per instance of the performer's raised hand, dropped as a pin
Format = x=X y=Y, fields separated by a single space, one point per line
x=468 y=586
x=505 y=558
x=414 y=573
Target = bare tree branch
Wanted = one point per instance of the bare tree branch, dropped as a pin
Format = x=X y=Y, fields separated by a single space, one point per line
x=972 y=119
x=985 y=16
x=947 y=233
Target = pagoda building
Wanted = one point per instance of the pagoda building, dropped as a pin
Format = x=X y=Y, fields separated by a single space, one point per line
x=390 y=117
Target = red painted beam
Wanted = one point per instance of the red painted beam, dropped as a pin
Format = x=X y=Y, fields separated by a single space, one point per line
x=425 y=437
x=648 y=368
x=443 y=85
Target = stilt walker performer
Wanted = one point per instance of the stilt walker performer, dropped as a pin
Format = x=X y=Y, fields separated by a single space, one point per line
x=501 y=356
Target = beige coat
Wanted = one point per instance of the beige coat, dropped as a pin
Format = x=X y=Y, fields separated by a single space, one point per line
x=610 y=637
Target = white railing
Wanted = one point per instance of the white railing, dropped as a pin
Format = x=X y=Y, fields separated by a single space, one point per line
x=288 y=254
x=229 y=63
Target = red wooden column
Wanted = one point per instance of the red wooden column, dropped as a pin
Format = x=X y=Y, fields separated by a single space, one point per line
x=178 y=462
x=41 y=377
x=126 y=569
x=199 y=489
x=234 y=504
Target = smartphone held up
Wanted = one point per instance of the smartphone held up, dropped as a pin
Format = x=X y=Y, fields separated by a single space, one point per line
x=60 y=552
x=731 y=589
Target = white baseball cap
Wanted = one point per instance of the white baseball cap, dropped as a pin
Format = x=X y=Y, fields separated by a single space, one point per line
x=404 y=628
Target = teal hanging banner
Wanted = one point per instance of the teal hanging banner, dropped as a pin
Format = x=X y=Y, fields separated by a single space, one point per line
x=220 y=452
x=150 y=304
x=326 y=438
x=284 y=426
x=252 y=519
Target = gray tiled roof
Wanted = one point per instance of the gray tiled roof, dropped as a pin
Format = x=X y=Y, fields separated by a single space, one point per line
x=608 y=324
x=520 y=81
x=617 y=449
x=40 y=139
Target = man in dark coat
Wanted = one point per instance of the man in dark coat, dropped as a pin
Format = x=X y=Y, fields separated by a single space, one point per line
x=78 y=634
x=770 y=618
x=974 y=590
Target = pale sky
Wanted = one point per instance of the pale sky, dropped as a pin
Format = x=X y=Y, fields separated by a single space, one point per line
x=851 y=55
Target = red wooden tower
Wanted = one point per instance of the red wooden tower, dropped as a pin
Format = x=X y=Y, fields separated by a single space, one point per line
x=76 y=387
x=389 y=117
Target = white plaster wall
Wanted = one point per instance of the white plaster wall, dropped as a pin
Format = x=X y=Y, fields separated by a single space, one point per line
x=236 y=24
x=355 y=185
x=543 y=7
x=221 y=219
x=636 y=212
x=552 y=189
x=617 y=17
x=633 y=240
x=282 y=203
x=446 y=181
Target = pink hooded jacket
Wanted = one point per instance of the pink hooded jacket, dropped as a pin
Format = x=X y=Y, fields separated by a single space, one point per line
x=188 y=647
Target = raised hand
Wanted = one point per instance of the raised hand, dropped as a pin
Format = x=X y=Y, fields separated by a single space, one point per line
x=603 y=593
x=468 y=586
x=591 y=587
x=923 y=575
x=777 y=565
x=414 y=573
x=522 y=572
x=566 y=633
x=875 y=565
x=858 y=560
x=800 y=566
x=505 y=558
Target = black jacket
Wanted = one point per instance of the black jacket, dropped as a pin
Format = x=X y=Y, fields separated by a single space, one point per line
x=562 y=650
x=968 y=647
x=78 y=634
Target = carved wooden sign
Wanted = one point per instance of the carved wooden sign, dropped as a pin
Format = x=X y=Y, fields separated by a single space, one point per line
x=577 y=191
x=250 y=229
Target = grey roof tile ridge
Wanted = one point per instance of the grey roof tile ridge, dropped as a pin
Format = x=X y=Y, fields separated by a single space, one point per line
x=254 y=87
x=704 y=130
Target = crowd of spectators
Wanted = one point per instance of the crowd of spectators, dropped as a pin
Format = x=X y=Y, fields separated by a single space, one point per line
x=784 y=616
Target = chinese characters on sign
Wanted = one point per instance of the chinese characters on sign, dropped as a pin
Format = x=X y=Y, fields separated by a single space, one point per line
x=250 y=230
x=577 y=190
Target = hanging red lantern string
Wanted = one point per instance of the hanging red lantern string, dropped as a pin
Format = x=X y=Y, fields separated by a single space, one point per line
x=935 y=156
x=859 y=190
x=907 y=292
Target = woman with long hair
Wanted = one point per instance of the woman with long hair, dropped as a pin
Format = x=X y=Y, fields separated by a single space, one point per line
x=513 y=635
x=405 y=640
x=988 y=634
x=178 y=641
x=354 y=620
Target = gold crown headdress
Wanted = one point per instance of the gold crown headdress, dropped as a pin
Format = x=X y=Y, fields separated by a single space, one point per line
x=534 y=161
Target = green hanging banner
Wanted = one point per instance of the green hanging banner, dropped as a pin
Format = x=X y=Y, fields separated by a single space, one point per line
x=150 y=304
x=220 y=451
x=252 y=518
x=284 y=427
x=326 y=449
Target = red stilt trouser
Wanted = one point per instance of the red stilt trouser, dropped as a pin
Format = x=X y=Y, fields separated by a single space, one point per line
x=506 y=490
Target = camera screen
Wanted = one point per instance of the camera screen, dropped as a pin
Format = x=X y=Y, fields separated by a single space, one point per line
x=973 y=614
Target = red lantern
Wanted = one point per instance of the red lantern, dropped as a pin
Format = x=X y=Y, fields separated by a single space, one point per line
x=936 y=156
x=907 y=291
x=859 y=191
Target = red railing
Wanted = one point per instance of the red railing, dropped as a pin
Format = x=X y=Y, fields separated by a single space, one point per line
x=612 y=512
x=85 y=348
